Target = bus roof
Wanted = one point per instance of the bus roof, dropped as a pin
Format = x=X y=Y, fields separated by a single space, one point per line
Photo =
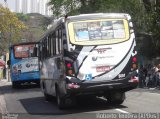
x=23 y=43
x=99 y=15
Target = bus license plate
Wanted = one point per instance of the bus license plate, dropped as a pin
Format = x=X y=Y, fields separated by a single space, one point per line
x=102 y=68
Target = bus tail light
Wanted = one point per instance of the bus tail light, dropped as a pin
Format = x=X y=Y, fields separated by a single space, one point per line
x=69 y=69
x=68 y=65
x=134 y=60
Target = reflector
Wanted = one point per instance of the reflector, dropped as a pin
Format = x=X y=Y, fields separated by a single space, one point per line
x=70 y=72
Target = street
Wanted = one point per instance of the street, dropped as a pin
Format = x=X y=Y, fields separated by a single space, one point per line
x=28 y=102
x=74 y=48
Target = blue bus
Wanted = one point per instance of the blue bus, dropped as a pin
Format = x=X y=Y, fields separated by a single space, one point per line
x=23 y=62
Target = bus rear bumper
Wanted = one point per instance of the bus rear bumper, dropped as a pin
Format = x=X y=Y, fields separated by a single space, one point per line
x=101 y=87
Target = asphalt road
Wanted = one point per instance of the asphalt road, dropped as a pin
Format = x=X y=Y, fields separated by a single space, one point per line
x=28 y=103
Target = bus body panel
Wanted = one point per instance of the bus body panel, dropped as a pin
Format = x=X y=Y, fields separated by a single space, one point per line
x=103 y=60
x=52 y=70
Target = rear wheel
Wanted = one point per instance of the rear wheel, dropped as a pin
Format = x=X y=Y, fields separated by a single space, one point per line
x=60 y=100
x=46 y=96
x=116 y=98
x=64 y=102
x=15 y=84
x=38 y=83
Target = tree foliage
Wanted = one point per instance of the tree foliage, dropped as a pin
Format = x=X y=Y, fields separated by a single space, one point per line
x=145 y=16
x=36 y=25
x=23 y=17
x=151 y=23
x=133 y=7
x=10 y=28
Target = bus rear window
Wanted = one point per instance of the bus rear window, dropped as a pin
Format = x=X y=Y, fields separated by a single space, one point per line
x=23 y=51
x=91 y=31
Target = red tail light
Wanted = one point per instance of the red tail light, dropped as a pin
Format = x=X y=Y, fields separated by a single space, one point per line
x=134 y=59
x=69 y=65
x=69 y=69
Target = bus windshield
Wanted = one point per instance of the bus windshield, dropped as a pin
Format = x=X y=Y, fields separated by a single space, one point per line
x=106 y=31
x=24 y=51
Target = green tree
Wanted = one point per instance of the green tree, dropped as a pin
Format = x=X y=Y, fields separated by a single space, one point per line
x=151 y=22
x=23 y=17
x=10 y=28
x=36 y=25
x=145 y=16
x=62 y=7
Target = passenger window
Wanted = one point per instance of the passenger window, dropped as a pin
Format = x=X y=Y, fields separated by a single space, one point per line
x=60 y=41
x=54 y=43
x=57 y=38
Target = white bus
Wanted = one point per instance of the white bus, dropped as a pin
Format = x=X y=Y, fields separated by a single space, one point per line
x=88 y=55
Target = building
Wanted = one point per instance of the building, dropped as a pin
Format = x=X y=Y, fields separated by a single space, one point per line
x=33 y=6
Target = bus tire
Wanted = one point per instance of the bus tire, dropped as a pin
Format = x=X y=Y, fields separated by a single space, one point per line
x=15 y=84
x=60 y=100
x=38 y=83
x=46 y=96
x=116 y=98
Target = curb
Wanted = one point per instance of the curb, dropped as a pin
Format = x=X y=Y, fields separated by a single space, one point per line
x=3 y=108
x=5 y=80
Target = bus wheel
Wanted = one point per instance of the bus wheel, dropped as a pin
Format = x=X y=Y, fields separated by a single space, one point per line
x=60 y=100
x=15 y=84
x=116 y=98
x=38 y=84
x=47 y=96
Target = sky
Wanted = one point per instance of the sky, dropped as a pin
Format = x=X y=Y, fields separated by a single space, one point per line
x=10 y=3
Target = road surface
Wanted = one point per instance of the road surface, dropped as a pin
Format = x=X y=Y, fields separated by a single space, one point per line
x=29 y=102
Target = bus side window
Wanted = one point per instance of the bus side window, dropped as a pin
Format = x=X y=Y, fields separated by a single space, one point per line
x=40 y=51
x=49 y=46
x=60 y=41
x=35 y=52
x=40 y=55
x=54 y=43
x=64 y=39
x=57 y=42
x=45 y=49
x=44 y=52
